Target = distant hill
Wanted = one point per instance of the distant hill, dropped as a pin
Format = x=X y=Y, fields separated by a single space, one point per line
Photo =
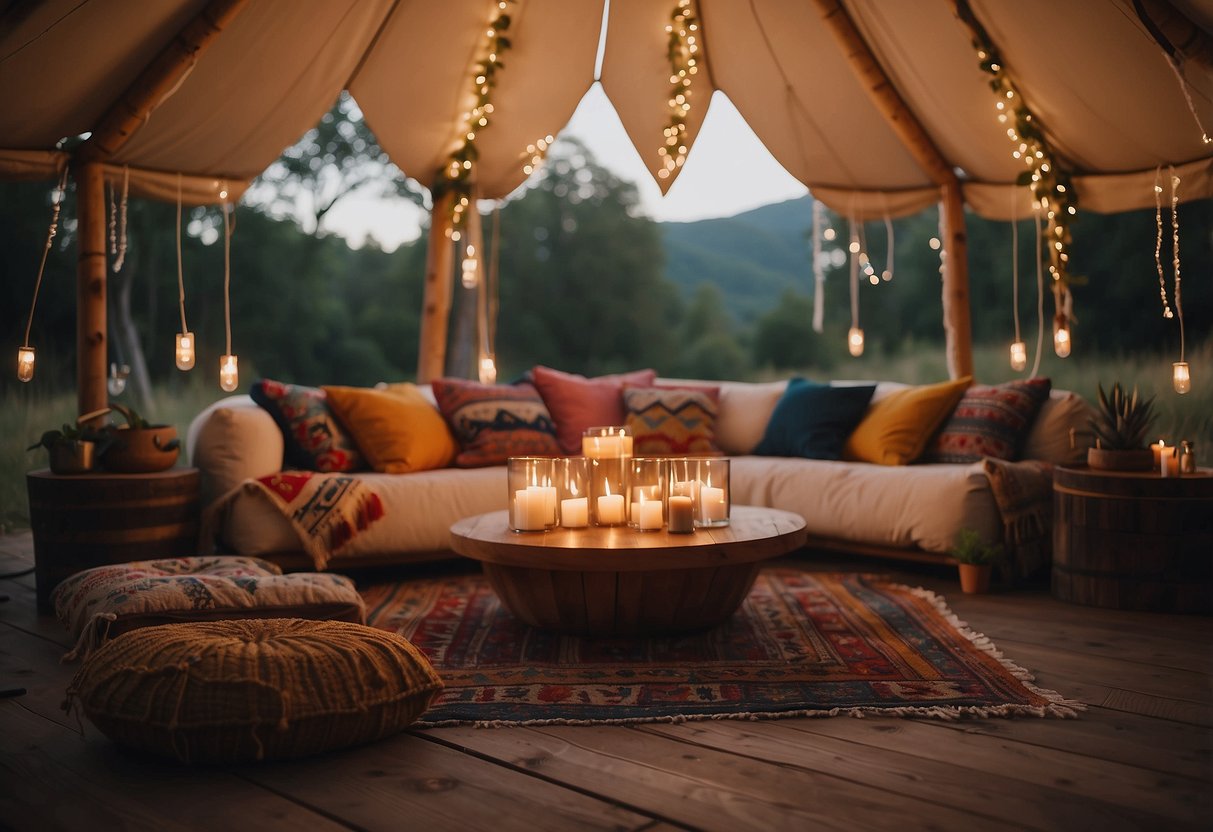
x=752 y=257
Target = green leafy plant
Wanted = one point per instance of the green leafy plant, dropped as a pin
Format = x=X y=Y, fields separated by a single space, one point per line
x=1123 y=420
x=971 y=547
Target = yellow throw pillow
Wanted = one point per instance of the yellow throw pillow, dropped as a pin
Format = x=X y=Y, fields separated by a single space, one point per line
x=895 y=429
x=396 y=429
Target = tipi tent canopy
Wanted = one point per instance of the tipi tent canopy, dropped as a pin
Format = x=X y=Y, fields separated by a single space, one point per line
x=879 y=108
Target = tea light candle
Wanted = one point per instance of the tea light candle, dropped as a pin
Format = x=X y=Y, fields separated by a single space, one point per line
x=682 y=519
x=530 y=509
x=574 y=513
x=711 y=501
x=648 y=514
x=610 y=509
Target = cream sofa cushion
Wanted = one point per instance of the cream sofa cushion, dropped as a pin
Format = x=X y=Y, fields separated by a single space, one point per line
x=230 y=441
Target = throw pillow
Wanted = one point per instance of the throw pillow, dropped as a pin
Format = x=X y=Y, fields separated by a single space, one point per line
x=896 y=429
x=813 y=420
x=106 y=601
x=671 y=421
x=396 y=429
x=494 y=422
x=314 y=439
x=254 y=689
x=989 y=421
x=577 y=402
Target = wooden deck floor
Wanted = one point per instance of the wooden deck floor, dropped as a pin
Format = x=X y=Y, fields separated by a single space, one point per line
x=1139 y=758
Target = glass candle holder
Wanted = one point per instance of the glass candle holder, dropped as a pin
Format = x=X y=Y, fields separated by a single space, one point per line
x=532 y=493
x=713 y=503
x=646 y=493
x=572 y=491
x=607 y=450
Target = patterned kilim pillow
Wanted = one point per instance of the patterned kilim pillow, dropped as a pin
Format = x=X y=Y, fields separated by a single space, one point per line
x=672 y=421
x=494 y=422
x=255 y=689
x=989 y=421
x=314 y=439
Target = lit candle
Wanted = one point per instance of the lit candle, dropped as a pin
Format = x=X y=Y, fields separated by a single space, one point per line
x=546 y=497
x=1157 y=449
x=1169 y=462
x=601 y=447
x=711 y=501
x=610 y=509
x=529 y=510
x=574 y=512
x=682 y=518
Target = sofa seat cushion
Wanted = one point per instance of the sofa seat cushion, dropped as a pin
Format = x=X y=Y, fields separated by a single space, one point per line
x=899 y=506
x=419 y=510
x=259 y=689
x=106 y=601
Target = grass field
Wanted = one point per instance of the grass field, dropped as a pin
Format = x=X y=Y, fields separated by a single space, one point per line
x=29 y=409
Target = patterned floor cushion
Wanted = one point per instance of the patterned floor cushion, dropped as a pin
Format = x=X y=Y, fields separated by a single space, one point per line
x=252 y=689
x=107 y=601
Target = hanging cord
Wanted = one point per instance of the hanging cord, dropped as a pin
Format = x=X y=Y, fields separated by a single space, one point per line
x=180 y=277
x=1183 y=85
x=56 y=206
x=1179 y=306
x=1040 y=298
x=889 y=243
x=1015 y=261
x=229 y=225
x=121 y=257
x=819 y=269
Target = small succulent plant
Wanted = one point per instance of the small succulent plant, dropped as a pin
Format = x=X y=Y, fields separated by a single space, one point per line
x=1123 y=419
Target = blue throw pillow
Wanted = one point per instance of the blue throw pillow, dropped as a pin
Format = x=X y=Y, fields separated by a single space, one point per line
x=813 y=420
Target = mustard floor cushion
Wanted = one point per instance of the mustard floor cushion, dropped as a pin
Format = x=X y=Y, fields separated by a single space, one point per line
x=106 y=601
x=252 y=689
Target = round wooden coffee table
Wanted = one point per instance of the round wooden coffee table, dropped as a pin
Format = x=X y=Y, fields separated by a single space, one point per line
x=616 y=581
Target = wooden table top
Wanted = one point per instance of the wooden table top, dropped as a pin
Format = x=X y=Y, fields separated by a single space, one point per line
x=752 y=534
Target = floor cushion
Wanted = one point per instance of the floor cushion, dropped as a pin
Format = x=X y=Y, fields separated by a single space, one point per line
x=252 y=689
x=106 y=601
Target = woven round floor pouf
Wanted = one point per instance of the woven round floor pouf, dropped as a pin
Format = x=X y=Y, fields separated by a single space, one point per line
x=255 y=689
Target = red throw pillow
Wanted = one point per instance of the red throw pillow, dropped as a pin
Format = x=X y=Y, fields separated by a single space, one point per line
x=494 y=422
x=577 y=402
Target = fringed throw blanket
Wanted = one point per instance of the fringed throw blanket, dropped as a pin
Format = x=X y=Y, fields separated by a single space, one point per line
x=327 y=511
x=1024 y=494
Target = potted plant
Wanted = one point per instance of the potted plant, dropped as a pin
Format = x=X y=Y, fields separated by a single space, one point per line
x=975 y=558
x=1121 y=424
x=137 y=447
x=73 y=449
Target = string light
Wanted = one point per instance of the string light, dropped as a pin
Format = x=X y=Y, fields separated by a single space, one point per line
x=1162 y=281
x=229 y=374
x=457 y=175
x=1181 y=377
x=186 y=343
x=470 y=268
x=535 y=153
x=1050 y=185
x=118 y=235
x=684 y=36
x=26 y=356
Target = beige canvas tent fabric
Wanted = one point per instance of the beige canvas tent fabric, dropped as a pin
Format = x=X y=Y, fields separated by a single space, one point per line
x=1097 y=81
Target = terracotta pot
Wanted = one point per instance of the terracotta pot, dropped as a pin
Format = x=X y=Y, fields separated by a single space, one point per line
x=142 y=450
x=975 y=577
x=72 y=456
x=1136 y=459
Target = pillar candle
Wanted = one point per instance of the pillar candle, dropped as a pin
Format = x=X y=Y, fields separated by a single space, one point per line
x=529 y=510
x=1157 y=449
x=574 y=512
x=682 y=519
x=610 y=509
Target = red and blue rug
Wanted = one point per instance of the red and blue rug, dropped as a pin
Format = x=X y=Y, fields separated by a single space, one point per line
x=802 y=644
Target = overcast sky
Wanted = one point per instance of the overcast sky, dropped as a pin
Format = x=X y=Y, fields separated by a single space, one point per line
x=728 y=172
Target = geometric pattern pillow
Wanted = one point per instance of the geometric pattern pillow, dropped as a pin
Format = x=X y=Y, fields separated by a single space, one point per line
x=103 y=602
x=314 y=439
x=989 y=421
x=671 y=422
x=493 y=422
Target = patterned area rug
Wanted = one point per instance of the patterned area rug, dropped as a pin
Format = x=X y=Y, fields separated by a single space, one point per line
x=802 y=644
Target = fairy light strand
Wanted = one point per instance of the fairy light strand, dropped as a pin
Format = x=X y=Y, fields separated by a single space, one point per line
x=535 y=154
x=683 y=48
x=120 y=258
x=1184 y=87
x=1176 y=291
x=1162 y=280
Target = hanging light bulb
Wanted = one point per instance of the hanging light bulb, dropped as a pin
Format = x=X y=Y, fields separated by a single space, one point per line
x=855 y=341
x=1019 y=356
x=1061 y=337
x=116 y=383
x=229 y=375
x=488 y=370
x=185 y=351
x=1180 y=377
x=25 y=363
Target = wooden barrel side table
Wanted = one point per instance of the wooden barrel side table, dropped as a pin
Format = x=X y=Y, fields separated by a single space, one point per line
x=1133 y=540
x=85 y=520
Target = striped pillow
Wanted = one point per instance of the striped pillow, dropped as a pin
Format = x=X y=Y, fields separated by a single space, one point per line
x=989 y=421
x=672 y=421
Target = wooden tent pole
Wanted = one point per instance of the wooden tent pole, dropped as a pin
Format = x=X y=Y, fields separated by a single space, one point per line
x=436 y=301
x=915 y=138
x=91 y=336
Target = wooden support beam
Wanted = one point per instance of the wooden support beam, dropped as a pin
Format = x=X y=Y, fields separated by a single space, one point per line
x=145 y=93
x=91 y=393
x=916 y=140
x=436 y=301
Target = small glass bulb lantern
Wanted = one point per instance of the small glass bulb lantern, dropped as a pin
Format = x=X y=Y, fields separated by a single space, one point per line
x=855 y=341
x=1019 y=356
x=229 y=375
x=1180 y=377
x=1061 y=339
x=488 y=370
x=25 y=363
x=185 y=351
